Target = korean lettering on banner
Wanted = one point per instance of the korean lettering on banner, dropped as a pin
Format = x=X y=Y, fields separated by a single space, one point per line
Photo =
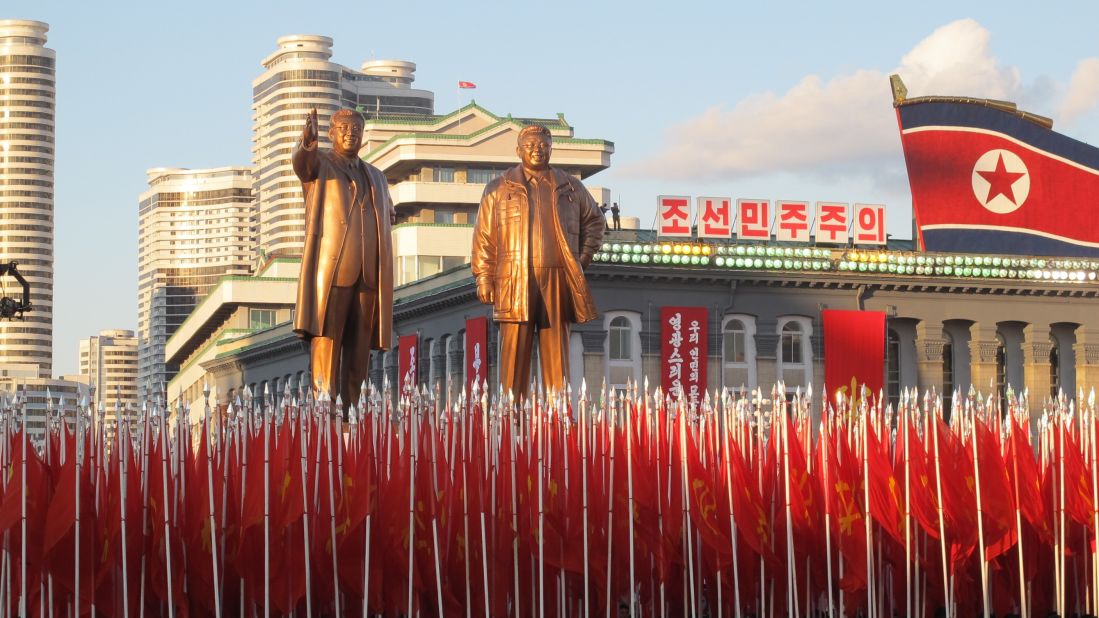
x=833 y=221
x=793 y=221
x=408 y=360
x=869 y=224
x=683 y=334
x=753 y=219
x=476 y=352
x=675 y=215
x=715 y=217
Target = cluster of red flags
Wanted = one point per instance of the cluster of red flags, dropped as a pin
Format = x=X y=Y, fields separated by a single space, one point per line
x=637 y=503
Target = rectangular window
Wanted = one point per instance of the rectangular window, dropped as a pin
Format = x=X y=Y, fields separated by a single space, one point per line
x=429 y=265
x=620 y=344
x=453 y=261
x=734 y=347
x=259 y=319
x=482 y=175
x=791 y=348
x=407 y=272
x=442 y=174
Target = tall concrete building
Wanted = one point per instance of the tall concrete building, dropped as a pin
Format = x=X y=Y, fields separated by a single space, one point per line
x=26 y=190
x=298 y=77
x=108 y=361
x=193 y=229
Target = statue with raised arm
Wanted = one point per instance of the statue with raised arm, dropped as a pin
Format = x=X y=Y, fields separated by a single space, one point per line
x=537 y=229
x=345 y=289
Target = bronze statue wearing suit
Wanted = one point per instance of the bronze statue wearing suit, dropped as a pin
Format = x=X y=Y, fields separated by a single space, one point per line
x=537 y=229
x=345 y=290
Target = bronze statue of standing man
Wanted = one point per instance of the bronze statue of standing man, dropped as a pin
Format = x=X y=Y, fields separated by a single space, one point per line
x=345 y=289
x=537 y=230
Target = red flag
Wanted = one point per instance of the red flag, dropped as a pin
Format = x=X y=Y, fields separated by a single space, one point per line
x=886 y=503
x=467 y=85
x=854 y=351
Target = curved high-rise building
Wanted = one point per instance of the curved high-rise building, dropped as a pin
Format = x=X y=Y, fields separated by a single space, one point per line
x=26 y=190
x=193 y=229
x=298 y=77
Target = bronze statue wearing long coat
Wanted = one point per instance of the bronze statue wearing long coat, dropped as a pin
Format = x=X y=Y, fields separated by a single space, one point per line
x=330 y=196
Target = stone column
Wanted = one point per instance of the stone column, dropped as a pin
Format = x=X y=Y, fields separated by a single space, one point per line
x=389 y=360
x=438 y=368
x=982 y=357
x=457 y=356
x=930 y=342
x=1036 y=347
x=1087 y=358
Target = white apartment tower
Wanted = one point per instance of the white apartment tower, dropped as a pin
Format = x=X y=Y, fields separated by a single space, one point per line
x=298 y=77
x=193 y=229
x=26 y=191
x=109 y=362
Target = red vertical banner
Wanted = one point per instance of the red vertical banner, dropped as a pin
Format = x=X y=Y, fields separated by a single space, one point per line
x=476 y=352
x=854 y=351
x=683 y=345
x=408 y=360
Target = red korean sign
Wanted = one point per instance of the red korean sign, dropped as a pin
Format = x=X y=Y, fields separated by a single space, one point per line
x=683 y=346
x=476 y=352
x=753 y=219
x=793 y=221
x=408 y=361
x=869 y=224
x=715 y=217
x=833 y=221
x=674 y=214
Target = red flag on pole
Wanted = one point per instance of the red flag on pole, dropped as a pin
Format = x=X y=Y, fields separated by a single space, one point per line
x=408 y=360
x=468 y=85
x=854 y=350
x=476 y=352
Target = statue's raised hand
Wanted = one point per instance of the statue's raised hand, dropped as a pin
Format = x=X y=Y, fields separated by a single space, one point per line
x=309 y=131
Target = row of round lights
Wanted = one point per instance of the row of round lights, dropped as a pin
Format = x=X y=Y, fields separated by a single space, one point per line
x=816 y=259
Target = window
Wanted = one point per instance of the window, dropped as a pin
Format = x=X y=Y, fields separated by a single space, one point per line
x=733 y=342
x=893 y=368
x=623 y=348
x=620 y=339
x=259 y=319
x=442 y=174
x=482 y=175
x=1054 y=369
x=795 y=357
x=738 y=351
x=791 y=343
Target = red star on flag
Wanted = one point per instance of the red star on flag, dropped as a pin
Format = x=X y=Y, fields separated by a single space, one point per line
x=1000 y=181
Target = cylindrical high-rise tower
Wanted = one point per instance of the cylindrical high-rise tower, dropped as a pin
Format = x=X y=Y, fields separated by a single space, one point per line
x=298 y=77
x=26 y=190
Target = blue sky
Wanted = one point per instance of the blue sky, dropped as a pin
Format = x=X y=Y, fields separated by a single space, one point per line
x=765 y=100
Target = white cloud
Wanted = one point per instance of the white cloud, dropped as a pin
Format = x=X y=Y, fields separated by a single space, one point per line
x=845 y=126
x=1083 y=91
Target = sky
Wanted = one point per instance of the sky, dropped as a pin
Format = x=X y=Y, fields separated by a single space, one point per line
x=760 y=100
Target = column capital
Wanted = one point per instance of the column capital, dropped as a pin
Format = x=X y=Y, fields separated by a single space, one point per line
x=930 y=341
x=1036 y=344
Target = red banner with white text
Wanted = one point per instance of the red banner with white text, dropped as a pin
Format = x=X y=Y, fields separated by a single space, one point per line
x=408 y=360
x=476 y=352
x=683 y=332
x=854 y=351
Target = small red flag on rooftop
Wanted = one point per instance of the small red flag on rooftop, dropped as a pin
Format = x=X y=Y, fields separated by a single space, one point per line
x=467 y=85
